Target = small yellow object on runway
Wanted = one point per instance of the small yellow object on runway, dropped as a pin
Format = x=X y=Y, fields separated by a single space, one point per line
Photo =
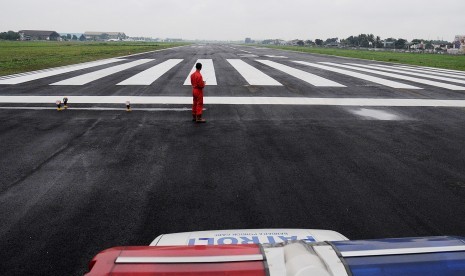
x=58 y=103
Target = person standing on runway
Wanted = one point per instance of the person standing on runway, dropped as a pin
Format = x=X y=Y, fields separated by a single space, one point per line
x=197 y=92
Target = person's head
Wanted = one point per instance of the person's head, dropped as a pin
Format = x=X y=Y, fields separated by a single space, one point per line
x=198 y=66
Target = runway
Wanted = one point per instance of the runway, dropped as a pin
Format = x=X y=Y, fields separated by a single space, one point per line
x=231 y=68
x=293 y=140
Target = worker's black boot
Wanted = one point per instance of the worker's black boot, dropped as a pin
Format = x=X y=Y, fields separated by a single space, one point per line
x=199 y=119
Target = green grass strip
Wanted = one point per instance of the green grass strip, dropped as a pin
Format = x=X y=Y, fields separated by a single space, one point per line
x=24 y=56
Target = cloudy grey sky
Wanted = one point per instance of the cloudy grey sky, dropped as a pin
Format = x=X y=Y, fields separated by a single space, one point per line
x=238 y=19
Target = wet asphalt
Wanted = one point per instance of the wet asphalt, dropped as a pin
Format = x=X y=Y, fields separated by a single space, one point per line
x=76 y=182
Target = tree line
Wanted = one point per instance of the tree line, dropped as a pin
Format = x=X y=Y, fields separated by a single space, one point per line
x=365 y=41
x=10 y=35
x=370 y=41
x=362 y=41
x=73 y=37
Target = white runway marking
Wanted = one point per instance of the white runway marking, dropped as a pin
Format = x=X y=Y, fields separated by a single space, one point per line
x=458 y=72
x=208 y=72
x=252 y=75
x=397 y=76
x=247 y=56
x=154 y=109
x=237 y=101
x=305 y=76
x=271 y=56
x=421 y=71
x=409 y=73
x=437 y=70
x=35 y=75
x=150 y=75
x=376 y=114
x=381 y=81
x=90 y=77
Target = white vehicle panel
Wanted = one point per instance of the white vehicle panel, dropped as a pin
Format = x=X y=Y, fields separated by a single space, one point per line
x=249 y=236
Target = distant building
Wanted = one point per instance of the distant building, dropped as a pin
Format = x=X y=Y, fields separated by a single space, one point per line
x=417 y=46
x=459 y=43
x=274 y=42
x=104 y=36
x=173 y=40
x=440 y=45
x=38 y=35
x=296 y=42
x=458 y=46
x=389 y=44
x=333 y=44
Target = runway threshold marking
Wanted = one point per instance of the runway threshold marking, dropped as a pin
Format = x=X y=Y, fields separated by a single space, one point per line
x=397 y=76
x=451 y=75
x=432 y=69
x=423 y=75
x=237 y=101
x=302 y=75
x=208 y=72
x=381 y=81
x=93 y=76
x=252 y=75
x=35 y=75
x=150 y=75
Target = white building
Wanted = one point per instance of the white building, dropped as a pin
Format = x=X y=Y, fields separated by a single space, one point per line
x=102 y=36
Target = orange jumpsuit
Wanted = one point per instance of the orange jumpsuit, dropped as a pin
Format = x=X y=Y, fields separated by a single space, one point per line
x=197 y=92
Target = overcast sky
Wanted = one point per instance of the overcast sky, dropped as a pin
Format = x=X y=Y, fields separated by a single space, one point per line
x=238 y=19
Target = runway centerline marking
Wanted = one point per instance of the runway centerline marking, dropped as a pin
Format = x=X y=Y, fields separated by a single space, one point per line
x=93 y=76
x=150 y=75
x=237 y=101
x=208 y=72
x=381 y=81
x=251 y=74
x=302 y=75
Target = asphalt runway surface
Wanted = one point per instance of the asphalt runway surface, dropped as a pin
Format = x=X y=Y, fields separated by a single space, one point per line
x=78 y=181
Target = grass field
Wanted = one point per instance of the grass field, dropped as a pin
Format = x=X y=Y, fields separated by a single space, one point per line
x=23 y=56
x=455 y=62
